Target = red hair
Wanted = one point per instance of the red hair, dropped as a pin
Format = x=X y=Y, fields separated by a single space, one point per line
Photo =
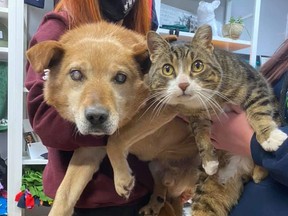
x=277 y=65
x=138 y=19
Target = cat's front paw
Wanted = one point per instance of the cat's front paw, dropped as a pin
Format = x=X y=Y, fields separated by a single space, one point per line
x=211 y=167
x=151 y=209
x=124 y=185
x=275 y=140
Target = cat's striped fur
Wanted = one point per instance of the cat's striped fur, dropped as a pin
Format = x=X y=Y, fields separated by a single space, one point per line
x=200 y=80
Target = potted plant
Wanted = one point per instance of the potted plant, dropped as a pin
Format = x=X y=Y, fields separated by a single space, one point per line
x=234 y=28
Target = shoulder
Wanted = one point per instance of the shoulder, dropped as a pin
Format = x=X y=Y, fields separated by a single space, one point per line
x=52 y=26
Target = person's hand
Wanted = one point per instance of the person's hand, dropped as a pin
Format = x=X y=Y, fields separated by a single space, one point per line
x=231 y=132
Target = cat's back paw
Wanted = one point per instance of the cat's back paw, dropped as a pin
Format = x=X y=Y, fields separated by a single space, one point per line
x=275 y=140
x=211 y=167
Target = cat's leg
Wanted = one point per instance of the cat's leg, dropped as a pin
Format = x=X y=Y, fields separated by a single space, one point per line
x=202 y=130
x=260 y=117
x=177 y=206
x=215 y=199
x=158 y=198
x=212 y=198
x=259 y=173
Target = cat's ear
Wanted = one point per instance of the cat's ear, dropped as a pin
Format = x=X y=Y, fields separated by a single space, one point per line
x=203 y=37
x=156 y=45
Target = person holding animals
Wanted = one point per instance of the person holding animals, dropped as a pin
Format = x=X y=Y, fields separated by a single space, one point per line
x=234 y=134
x=99 y=197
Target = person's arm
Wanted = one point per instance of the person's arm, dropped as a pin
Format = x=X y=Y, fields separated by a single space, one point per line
x=53 y=130
x=275 y=162
x=232 y=133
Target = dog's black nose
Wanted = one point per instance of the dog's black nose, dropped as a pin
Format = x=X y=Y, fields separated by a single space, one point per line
x=96 y=115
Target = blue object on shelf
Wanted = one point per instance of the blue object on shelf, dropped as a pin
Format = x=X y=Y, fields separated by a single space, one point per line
x=36 y=3
x=3 y=206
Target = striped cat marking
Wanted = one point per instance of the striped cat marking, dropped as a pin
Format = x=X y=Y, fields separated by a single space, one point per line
x=200 y=80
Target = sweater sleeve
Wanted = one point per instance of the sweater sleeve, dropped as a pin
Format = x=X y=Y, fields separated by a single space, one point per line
x=53 y=130
x=275 y=162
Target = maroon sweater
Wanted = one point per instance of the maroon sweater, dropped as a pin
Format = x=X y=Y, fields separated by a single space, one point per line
x=60 y=138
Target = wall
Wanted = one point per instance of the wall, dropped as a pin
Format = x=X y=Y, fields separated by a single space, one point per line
x=273 y=19
x=34 y=16
x=272 y=26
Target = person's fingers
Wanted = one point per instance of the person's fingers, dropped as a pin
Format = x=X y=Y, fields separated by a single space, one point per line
x=236 y=108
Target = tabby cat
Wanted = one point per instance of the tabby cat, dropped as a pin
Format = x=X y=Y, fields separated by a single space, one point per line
x=199 y=80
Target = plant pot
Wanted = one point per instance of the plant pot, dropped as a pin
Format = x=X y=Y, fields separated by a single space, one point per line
x=233 y=30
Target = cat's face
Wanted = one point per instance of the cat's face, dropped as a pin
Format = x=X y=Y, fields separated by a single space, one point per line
x=186 y=74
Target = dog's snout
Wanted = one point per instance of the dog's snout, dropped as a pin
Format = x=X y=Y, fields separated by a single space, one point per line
x=96 y=115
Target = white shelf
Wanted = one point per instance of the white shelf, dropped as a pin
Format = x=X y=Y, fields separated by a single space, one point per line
x=27 y=161
x=4 y=13
x=223 y=43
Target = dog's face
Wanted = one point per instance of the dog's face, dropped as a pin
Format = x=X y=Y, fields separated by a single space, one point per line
x=96 y=76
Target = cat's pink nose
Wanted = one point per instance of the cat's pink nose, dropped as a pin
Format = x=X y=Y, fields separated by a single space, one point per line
x=183 y=86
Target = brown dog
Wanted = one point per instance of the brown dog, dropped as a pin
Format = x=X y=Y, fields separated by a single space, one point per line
x=104 y=92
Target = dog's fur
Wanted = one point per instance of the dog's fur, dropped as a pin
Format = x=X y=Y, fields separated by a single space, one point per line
x=85 y=85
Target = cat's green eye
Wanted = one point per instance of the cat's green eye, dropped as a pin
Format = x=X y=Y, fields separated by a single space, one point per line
x=167 y=70
x=197 y=66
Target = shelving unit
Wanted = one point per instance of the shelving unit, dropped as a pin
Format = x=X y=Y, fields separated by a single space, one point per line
x=226 y=43
x=4 y=50
x=15 y=102
x=29 y=157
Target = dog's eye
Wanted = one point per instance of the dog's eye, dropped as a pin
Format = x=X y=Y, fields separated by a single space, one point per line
x=120 y=78
x=76 y=75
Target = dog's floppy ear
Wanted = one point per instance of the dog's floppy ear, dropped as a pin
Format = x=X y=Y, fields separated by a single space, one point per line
x=141 y=55
x=44 y=55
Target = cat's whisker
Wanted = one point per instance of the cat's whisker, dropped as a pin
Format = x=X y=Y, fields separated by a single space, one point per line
x=218 y=107
x=204 y=104
x=152 y=105
x=155 y=96
x=207 y=99
x=213 y=104
x=159 y=102
x=213 y=101
x=162 y=103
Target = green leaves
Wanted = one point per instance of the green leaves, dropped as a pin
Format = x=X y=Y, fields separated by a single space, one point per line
x=236 y=20
x=32 y=181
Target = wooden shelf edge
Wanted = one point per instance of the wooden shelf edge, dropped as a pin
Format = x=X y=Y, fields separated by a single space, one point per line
x=221 y=42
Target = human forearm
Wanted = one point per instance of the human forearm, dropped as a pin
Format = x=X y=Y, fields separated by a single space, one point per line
x=275 y=162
